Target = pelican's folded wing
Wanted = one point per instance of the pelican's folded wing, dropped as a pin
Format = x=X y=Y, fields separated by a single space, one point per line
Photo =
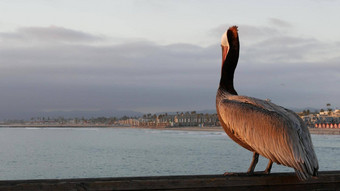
x=272 y=131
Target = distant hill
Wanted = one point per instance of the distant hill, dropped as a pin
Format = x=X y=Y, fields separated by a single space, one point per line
x=311 y=109
x=212 y=111
x=69 y=114
x=102 y=113
x=209 y=111
x=89 y=114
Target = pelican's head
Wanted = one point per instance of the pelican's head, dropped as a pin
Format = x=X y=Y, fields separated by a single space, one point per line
x=228 y=36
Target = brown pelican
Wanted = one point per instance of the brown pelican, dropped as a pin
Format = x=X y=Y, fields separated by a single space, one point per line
x=261 y=126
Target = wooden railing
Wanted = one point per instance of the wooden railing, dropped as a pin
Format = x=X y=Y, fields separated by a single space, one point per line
x=327 y=180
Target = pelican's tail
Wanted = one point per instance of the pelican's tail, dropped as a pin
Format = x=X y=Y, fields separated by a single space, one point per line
x=305 y=174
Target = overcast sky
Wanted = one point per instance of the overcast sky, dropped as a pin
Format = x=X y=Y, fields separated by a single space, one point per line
x=154 y=56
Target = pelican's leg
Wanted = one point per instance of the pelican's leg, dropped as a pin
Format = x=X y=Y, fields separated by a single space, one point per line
x=253 y=163
x=269 y=167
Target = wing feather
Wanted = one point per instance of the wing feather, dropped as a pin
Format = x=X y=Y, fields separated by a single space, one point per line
x=273 y=131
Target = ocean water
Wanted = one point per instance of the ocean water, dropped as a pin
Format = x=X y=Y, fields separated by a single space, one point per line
x=48 y=153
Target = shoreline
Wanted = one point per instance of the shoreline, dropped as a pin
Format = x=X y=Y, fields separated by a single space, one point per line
x=188 y=128
x=318 y=131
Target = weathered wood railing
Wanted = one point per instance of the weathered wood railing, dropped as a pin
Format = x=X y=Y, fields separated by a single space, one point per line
x=327 y=180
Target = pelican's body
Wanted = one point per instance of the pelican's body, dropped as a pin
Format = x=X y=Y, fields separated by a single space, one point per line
x=261 y=126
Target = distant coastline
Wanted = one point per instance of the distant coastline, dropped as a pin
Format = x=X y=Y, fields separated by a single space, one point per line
x=188 y=128
x=324 y=131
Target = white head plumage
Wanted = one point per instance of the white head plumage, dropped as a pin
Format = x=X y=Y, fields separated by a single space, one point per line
x=224 y=39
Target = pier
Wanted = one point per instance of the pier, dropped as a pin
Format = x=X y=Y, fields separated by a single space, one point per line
x=327 y=180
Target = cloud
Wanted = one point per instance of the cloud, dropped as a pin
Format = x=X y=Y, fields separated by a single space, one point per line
x=283 y=48
x=256 y=33
x=144 y=76
x=51 y=34
x=248 y=33
x=291 y=70
x=125 y=76
x=307 y=68
x=279 y=23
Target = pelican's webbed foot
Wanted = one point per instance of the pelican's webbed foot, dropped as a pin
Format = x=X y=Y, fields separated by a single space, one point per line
x=252 y=167
x=233 y=173
x=228 y=173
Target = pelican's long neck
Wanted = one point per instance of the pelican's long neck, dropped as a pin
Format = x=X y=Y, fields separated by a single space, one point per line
x=229 y=63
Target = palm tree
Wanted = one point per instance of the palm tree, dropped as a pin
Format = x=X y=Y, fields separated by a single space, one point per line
x=329 y=108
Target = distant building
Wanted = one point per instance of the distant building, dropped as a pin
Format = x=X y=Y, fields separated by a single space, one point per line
x=324 y=119
x=128 y=122
x=190 y=119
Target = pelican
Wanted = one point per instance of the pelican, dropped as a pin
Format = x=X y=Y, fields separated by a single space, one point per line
x=260 y=126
